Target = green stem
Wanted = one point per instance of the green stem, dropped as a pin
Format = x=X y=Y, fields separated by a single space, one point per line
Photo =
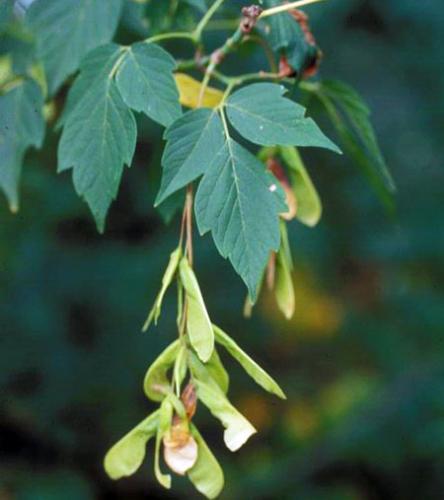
x=117 y=64
x=193 y=63
x=172 y=35
x=226 y=80
x=217 y=57
x=204 y=85
x=206 y=19
x=224 y=122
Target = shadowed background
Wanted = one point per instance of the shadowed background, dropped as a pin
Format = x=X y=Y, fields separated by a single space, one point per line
x=362 y=361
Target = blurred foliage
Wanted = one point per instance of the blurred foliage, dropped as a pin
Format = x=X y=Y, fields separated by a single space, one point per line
x=361 y=362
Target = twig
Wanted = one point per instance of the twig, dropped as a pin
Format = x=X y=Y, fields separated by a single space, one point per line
x=285 y=7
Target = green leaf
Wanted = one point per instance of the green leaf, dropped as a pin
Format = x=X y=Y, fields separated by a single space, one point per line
x=212 y=372
x=351 y=118
x=66 y=30
x=166 y=282
x=237 y=428
x=156 y=384
x=240 y=203
x=193 y=141
x=99 y=133
x=309 y=206
x=169 y=208
x=286 y=36
x=21 y=126
x=206 y=474
x=199 y=327
x=283 y=288
x=262 y=115
x=127 y=455
x=258 y=374
x=145 y=81
x=165 y=419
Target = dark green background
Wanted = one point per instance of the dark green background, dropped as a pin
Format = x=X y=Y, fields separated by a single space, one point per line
x=362 y=362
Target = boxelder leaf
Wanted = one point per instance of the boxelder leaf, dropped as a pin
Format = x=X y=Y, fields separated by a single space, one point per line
x=21 y=126
x=309 y=206
x=193 y=141
x=66 y=30
x=127 y=455
x=156 y=383
x=199 y=326
x=166 y=282
x=99 y=133
x=189 y=92
x=145 y=81
x=240 y=203
x=351 y=118
x=206 y=475
x=262 y=115
x=284 y=289
x=237 y=428
x=359 y=115
x=259 y=375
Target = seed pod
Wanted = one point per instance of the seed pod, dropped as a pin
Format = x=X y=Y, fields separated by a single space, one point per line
x=276 y=169
x=189 y=400
x=180 y=450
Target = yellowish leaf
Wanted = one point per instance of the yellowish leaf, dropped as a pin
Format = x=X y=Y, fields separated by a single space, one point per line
x=189 y=90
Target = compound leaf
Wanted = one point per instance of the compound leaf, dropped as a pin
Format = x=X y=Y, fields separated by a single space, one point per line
x=262 y=115
x=99 y=133
x=240 y=203
x=193 y=141
x=66 y=30
x=21 y=125
x=145 y=81
x=127 y=455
